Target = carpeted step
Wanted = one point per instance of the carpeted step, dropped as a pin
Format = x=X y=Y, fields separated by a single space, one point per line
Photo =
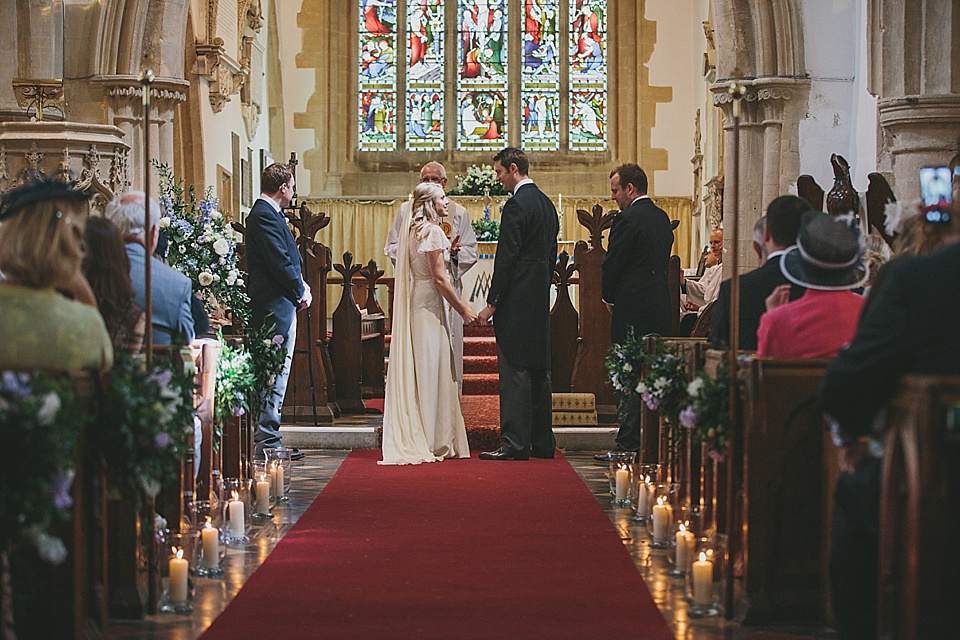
x=480 y=364
x=481 y=384
x=478 y=330
x=474 y=346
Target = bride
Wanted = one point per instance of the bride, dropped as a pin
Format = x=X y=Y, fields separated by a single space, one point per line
x=422 y=421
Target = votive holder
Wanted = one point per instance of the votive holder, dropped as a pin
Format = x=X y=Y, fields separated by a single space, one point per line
x=662 y=514
x=210 y=551
x=262 y=495
x=641 y=493
x=280 y=468
x=619 y=474
x=176 y=584
x=704 y=581
x=237 y=509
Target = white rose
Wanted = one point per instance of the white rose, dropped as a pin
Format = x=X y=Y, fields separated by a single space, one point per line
x=164 y=222
x=239 y=282
x=628 y=367
x=660 y=383
x=49 y=548
x=221 y=246
x=232 y=278
x=216 y=277
x=693 y=388
x=641 y=388
x=205 y=278
x=216 y=215
x=48 y=408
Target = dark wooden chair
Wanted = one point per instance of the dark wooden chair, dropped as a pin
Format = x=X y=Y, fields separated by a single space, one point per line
x=701 y=328
x=564 y=328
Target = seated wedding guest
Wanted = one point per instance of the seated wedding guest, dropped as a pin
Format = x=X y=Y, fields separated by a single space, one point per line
x=828 y=261
x=41 y=251
x=107 y=269
x=704 y=291
x=780 y=232
x=909 y=327
x=170 y=289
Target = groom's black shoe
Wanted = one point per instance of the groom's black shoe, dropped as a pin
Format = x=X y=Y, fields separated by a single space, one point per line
x=503 y=454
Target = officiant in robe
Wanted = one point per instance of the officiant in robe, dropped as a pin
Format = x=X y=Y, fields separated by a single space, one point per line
x=463 y=254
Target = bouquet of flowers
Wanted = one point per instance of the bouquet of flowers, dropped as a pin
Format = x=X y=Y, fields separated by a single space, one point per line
x=707 y=412
x=487 y=230
x=202 y=244
x=479 y=181
x=665 y=387
x=144 y=423
x=625 y=366
x=267 y=353
x=235 y=378
x=40 y=418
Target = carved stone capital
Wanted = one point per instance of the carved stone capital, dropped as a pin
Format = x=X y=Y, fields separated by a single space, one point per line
x=919 y=110
x=225 y=74
x=126 y=92
x=765 y=98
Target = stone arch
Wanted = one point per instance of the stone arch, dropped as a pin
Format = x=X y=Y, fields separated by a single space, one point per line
x=758 y=38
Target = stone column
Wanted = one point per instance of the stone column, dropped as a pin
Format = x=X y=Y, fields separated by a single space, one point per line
x=918 y=48
x=770 y=118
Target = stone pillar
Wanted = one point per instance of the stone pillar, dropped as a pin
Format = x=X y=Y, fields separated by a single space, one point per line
x=918 y=47
x=770 y=118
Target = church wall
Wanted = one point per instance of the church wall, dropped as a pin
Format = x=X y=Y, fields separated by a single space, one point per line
x=298 y=84
x=839 y=107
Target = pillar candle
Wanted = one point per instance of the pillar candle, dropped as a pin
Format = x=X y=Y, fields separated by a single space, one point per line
x=662 y=517
x=277 y=476
x=643 y=497
x=178 y=576
x=211 y=546
x=703 y=581
x=684 y=549
x=263 y=495
x=623 y=483
x=237 y=526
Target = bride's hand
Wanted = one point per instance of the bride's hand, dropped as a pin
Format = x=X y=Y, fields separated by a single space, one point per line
x=469 y=317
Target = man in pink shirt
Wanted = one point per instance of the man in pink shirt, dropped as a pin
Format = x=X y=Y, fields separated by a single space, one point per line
x=828 y=261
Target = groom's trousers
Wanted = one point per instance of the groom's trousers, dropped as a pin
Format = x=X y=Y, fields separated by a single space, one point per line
x=526 y=408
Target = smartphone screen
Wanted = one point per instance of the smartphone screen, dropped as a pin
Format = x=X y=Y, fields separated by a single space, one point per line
x=935 y=186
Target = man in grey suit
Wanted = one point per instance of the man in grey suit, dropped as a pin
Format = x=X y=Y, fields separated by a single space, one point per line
x=170 y=290
x=520 y=297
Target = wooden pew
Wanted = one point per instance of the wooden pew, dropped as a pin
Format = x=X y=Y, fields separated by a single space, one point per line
x=564 y=328
x=920 y=510
x=372 y=336
x=781 y=523
x=206 y=358
x=346 y=343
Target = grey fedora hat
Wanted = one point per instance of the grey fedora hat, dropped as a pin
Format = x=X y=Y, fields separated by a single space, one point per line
x=828 y=255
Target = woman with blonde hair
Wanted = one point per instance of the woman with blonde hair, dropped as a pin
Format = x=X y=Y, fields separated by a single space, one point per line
x=422 y=420
x=40 y=252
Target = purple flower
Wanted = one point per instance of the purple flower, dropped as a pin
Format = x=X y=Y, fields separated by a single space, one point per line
x=60 y=487
x=652 y=403
x=688 y=418
x=715 y=455
x=16 y=383
x=162 y=378
x=161 y=440
x=278 y=340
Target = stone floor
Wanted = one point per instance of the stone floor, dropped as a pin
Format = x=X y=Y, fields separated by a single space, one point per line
x=315 y=470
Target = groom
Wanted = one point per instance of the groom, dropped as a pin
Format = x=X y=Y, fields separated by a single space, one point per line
x=520 y=297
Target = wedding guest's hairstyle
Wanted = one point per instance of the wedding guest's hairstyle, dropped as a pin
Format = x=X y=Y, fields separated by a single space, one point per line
x=783 y=219
x=512 y=155
x=40 y=244
x=274 y=177
x=631 y=173
x=106 y=267
x=424 y=211
x=126 y=212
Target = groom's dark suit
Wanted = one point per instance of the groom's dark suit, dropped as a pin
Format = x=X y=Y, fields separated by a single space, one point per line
x=520 y=291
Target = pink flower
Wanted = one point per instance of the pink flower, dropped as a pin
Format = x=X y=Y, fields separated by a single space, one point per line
x=278 y=340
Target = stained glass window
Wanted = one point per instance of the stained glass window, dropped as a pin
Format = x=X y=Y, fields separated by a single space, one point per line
x=482 y=74
x=540 y=100
x=588 y=75
x=425 y=75
x=377 y=121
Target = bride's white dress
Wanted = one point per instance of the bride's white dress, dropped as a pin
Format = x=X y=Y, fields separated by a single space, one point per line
x=422 y=420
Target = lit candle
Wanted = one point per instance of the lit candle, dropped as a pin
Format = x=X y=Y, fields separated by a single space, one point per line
x=662 y=518
x=622 y=482
x=178 y=576
x=703 y=581
x=263 y=494
x=235 y=510
x=211 y=546
x=643 y=496
x=684 y=549
x=276 y=473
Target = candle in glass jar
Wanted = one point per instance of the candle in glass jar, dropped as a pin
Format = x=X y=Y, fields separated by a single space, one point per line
x=643 y=496
x=622 y=482
x=263 y=495
x=703 y=581
x=178 y=576
x=235 y=509
x=684 y=549
x=211 y=546
x=662 y=518
x=276 y=473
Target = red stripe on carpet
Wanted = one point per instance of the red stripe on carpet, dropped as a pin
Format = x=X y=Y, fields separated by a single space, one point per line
x=456 y=549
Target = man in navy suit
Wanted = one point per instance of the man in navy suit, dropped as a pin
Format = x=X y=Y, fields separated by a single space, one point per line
x=520 y=297
x=634 y=280
x=170 y=290
x=275 y=286
x=783 y=224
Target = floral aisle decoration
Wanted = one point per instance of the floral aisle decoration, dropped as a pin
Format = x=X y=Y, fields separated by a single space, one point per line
x=268 y=353
x=665 y=387
x=478 y=181
x=625 y=364
x=487 y=230
x=235 y=379
x=202 y=245
x=707 y=413
x=144 y=422
x=40 y=418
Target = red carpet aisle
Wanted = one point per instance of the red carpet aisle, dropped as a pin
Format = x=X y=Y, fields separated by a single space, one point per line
x=456 y=549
